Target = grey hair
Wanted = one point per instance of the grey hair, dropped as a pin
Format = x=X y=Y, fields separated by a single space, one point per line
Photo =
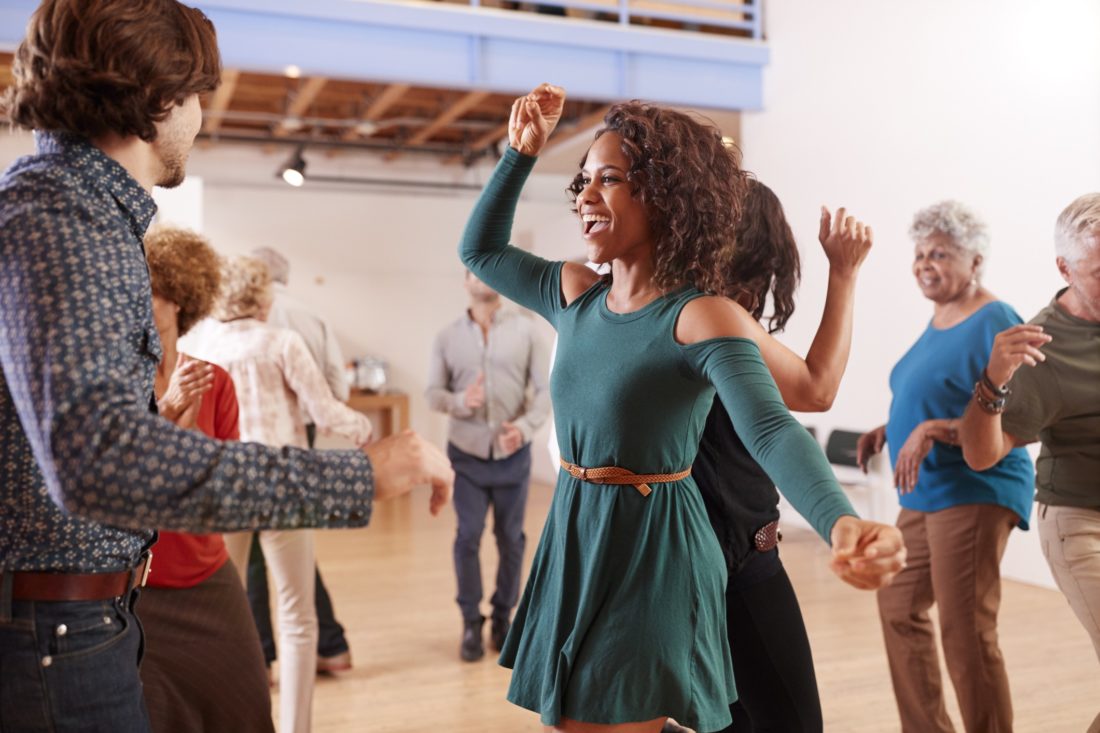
x=956 y=221
x=1080 y=218
x=277 y=265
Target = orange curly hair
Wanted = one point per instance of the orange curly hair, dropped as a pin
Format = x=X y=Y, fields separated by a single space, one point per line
x=184 y=269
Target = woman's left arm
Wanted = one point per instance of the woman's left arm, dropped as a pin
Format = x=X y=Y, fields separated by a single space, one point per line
x=307 y=382
x=713 y=331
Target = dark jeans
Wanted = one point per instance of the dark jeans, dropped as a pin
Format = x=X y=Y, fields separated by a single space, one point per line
x=330 y=639
x=480 y=484
x=71 y=666
x=772 y=662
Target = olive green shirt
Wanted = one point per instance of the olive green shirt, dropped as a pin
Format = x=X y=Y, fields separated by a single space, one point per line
x=1058 y=403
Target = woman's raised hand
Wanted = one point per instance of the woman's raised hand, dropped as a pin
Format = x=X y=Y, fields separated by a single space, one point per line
x=534 y=116
x=845 y=239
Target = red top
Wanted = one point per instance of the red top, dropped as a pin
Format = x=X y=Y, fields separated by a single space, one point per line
x=182 y=560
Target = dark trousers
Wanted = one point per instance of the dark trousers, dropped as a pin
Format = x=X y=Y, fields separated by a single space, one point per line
x=479 y=485
x=71 y=666
x=330 y=638
x=772 y=662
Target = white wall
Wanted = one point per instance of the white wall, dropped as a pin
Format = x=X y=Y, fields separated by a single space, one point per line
x=887 y=107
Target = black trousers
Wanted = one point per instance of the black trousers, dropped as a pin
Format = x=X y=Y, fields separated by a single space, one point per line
x=772 y=662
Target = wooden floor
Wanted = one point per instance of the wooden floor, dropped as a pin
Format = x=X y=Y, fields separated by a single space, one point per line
x=393 y=587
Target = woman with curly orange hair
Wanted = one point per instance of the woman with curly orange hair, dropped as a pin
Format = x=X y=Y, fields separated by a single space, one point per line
x=203 y=668
x=622 y=622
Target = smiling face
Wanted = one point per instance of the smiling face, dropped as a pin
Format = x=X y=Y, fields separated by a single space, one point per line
x=614 y=222
x=943 y=271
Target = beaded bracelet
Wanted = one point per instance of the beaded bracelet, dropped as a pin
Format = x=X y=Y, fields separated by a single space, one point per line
x=992 y=407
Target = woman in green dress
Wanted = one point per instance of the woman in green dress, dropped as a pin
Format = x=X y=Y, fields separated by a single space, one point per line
x=622 y=621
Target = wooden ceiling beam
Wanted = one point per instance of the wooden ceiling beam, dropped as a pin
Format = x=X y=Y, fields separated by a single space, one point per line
x=480 y=144
x=390 y=96
x=223 y=95
x=464 y=104
x=303 y=100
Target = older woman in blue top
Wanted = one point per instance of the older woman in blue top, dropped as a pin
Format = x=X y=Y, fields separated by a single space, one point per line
x=955 y=521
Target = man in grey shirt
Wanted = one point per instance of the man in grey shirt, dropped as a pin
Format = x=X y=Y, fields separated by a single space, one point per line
x=489 y=373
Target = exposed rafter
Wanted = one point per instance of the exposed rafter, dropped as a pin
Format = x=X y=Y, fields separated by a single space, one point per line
x=220 y=103
x=300 y=104
x=449 y=115
x=390 y=96
x=480 y=144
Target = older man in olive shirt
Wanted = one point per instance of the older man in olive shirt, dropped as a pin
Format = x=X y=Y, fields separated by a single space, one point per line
x=489 y=373
x=1056 y=400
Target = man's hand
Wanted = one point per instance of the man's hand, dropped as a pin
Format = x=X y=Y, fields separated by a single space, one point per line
x=534 y=116
x=845 y=239
x=866 y=555
x=189 y=382
x=869 y=445
x=510 y=438
x=907 y=469
x=404 y=461
x=1012 y=348
x=475 y=393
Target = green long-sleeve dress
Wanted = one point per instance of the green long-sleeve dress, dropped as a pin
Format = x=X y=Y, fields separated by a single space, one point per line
x=623 y=616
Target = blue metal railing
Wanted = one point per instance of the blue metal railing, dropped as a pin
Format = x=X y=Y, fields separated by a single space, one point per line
x=690 y=15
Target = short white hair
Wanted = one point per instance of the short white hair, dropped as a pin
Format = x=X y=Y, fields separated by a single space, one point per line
x=1075 y=223
x=956 y=221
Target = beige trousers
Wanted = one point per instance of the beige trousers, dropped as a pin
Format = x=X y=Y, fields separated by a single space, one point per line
x=290 y=559
x=1070 y=538
x=954 y=561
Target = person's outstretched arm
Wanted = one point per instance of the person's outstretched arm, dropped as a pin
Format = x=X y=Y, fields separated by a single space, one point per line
x=714 y=333
x=811 y=384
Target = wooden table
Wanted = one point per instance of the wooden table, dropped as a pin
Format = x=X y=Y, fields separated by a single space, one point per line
x=393 y=407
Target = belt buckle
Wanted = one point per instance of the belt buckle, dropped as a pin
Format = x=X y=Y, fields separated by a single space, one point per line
x=147 y=569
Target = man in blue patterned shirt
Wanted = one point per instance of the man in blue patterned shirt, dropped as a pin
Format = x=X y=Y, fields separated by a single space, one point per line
x=86 y=466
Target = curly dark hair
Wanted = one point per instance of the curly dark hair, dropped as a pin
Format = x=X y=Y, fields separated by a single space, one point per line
x=93 y=67
x=691 y=185
x=184 y=269
x=765 y=259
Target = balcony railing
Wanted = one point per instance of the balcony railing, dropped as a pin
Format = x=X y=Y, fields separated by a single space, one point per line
x=726 y=17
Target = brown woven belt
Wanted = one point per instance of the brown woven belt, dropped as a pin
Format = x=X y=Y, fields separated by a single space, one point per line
x=622 y=476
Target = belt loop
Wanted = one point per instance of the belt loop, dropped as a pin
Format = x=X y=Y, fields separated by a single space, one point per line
x=6 y=579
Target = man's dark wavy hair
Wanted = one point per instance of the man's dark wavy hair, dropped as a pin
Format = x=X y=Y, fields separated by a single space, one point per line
x=94 y=67
x=765 y=259
x=691 y=185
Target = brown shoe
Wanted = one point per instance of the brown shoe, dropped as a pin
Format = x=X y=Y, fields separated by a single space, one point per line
x=336 y=663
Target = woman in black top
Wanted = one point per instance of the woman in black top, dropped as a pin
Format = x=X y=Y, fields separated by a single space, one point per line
x=773 y=665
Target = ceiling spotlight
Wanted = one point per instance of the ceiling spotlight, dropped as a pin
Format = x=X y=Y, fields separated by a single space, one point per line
x=366 y=128
x=294 y=172
x=292 y=72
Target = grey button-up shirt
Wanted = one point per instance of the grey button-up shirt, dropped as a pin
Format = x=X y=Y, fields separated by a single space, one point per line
x=515 y=363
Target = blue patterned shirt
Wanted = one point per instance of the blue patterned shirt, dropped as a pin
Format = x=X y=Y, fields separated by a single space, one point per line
x=86 y=468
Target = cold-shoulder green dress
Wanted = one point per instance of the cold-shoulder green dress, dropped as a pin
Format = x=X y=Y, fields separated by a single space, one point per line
x=623 y=616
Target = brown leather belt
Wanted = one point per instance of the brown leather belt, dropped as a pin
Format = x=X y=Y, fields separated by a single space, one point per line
x=622 y=476
x=767 y=537
x=79 y=586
